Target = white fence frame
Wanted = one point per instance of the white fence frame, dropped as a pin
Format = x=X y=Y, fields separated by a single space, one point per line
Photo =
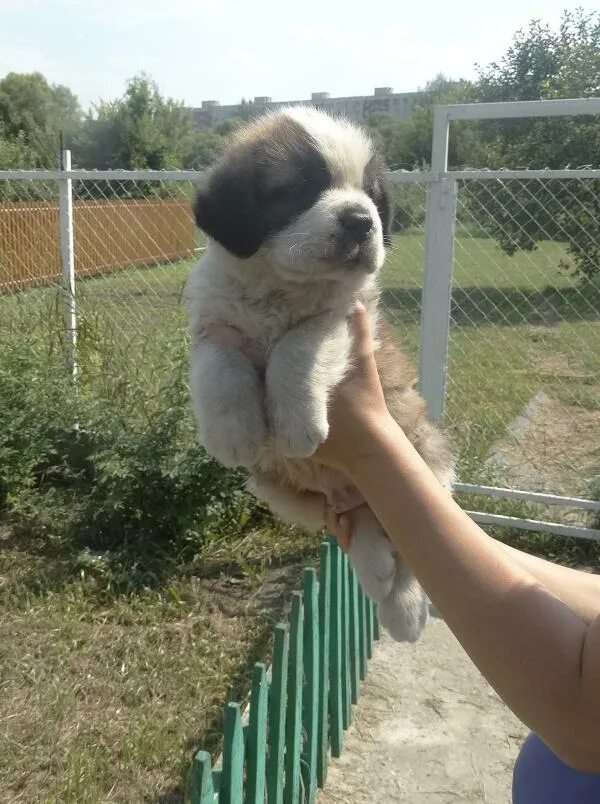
x=67 y=252
x=437 y=280
x=437 y=272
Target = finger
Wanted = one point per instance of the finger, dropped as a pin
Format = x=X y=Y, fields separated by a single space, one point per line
x=226 y=335
x=338 y=525
x=331 y=520
x=360 y=329
x=343 y=532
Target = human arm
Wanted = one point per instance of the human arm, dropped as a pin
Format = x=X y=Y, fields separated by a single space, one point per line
x=538 y=646
x=578 y=590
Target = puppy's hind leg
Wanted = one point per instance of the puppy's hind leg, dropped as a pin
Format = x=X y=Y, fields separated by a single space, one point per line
x=304 y=509
x=371 y=554
x=405 y=611
x=385 y=578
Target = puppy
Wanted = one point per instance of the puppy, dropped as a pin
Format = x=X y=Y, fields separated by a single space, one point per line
x=297 y=213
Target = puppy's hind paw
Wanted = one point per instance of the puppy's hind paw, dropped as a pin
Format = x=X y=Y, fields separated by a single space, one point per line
x=405 y=611
x=374 y=561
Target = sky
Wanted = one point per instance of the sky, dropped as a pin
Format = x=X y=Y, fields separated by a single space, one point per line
x=228 y=49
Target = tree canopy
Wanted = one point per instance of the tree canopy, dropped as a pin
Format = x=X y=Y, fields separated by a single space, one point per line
x=144 y=130
x=542 y=63
x=32 y=113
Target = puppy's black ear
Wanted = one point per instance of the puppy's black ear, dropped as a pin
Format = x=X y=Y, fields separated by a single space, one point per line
x=225 y=207
x=378 y=188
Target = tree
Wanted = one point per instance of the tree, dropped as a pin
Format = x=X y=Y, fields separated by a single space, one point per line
x=542 y=63
x=545 y=64
x=144 y=130
x=524 y=69
x=203 y=148
x=15 y=153
x=406 y=144
x=141 y=130
x=34 y=112
x=229 y=126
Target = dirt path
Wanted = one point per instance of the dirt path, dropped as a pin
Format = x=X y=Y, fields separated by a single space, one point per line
x=427 y=730
x=551 y=447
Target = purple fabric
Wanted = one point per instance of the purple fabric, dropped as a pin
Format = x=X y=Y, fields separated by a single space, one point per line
x=540 y=777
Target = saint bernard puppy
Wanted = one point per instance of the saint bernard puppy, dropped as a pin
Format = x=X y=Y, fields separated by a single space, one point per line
x=297 y=214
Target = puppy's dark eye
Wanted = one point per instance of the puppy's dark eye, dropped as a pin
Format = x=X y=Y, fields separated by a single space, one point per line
x=278 y=195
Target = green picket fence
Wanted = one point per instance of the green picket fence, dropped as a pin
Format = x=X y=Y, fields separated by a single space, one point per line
x=277 y=750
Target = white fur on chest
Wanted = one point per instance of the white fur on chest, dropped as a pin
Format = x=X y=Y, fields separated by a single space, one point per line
x=258 y=304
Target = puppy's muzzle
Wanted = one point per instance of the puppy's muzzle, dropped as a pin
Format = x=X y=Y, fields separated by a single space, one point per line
x=357 y=224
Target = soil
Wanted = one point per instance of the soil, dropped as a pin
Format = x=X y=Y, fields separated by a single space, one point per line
x=428 y=729
x=551 y=447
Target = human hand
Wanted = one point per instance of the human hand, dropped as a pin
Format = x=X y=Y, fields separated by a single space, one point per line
x=358 y=410
x=339 y=525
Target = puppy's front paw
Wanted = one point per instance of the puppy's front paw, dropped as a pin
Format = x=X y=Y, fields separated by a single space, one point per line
x=235 y=440
x=298 y=434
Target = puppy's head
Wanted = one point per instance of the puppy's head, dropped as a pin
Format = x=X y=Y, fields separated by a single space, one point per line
x=304 y=189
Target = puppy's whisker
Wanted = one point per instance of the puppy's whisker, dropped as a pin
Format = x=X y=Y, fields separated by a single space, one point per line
x=297 y=246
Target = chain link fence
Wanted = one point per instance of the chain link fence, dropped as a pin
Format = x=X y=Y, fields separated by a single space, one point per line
x=522 y=371
x=524 y=348
x=134 y=240
x=523 y=364
x=402 y=273
x=29 y=242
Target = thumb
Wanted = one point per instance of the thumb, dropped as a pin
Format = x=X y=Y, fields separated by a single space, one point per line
x=360 y=329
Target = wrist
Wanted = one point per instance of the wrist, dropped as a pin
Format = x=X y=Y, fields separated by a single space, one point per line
x=376 y=438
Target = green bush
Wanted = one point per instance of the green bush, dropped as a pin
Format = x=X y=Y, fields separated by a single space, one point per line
x=110 y=463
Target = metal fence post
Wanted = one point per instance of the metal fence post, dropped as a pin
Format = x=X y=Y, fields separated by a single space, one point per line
x=67 y=251
x=437 y=277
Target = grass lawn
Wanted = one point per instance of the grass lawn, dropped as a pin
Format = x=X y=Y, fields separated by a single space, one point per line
x=519 y=325
x=105 y=695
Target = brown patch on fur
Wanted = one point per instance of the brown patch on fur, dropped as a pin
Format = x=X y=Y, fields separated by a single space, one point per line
x=398 y=378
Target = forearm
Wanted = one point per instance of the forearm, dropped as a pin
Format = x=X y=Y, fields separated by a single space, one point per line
x=580 y=591
x=525 y=641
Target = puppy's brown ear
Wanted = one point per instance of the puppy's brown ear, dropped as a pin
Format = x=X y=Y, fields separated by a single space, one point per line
x=226 y=210
x=385 y=206
x=378 y=188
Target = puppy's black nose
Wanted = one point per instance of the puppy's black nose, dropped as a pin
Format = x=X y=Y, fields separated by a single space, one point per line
x=357 y=222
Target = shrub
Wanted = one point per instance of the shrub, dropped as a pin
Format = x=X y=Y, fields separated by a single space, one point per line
x=111 y=462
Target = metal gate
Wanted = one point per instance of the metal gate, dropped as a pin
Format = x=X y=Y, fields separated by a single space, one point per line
x=545 y=456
